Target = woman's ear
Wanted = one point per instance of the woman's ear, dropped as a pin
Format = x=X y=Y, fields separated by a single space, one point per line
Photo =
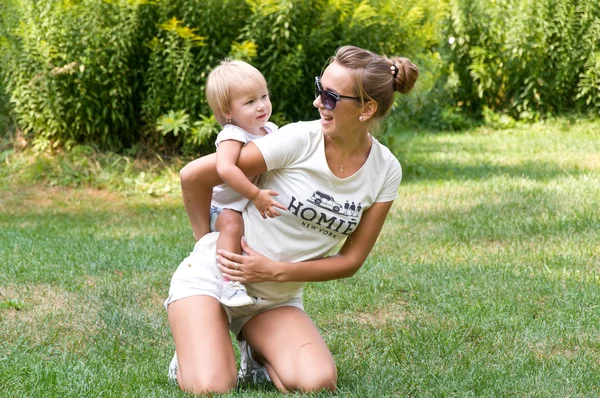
x=369 y=110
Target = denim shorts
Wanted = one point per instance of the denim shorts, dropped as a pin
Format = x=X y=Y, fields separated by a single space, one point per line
x=199 y=275
x=214 y=213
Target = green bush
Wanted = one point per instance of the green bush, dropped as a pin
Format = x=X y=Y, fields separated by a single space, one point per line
x=4 y=112
x=72 y=71
x=130 y=74
x=8 y=21
x=289 y=41
x=193 y=36
x=296 y=38
x=524 y=58
x=111 y=72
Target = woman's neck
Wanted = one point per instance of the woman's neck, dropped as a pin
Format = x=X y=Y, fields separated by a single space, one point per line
x=345 y=157
x=348 y=146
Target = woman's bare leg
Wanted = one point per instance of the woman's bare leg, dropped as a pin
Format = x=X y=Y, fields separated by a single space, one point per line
x=198 y=178
x=292 y=349
x=204 y=349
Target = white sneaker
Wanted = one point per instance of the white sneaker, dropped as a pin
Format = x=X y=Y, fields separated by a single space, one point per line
x=250 y=371
x=234 y=294
x=173 y=369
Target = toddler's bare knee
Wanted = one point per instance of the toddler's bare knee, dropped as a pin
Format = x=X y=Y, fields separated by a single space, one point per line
x=231 y=223
x=232 y=229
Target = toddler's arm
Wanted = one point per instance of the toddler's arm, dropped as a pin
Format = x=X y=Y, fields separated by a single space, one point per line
x=227 y=156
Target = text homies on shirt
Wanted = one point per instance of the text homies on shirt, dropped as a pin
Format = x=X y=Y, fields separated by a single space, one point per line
x=315 y=215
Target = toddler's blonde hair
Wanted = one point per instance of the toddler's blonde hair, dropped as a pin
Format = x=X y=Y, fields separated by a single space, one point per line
x=225 y=81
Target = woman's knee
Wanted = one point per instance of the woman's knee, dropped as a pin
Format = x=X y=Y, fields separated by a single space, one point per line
x=206 y=360
x=207 y=383
x=314 y=377
x=318 y=379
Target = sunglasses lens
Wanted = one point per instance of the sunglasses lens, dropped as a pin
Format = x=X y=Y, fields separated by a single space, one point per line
x=328 y=100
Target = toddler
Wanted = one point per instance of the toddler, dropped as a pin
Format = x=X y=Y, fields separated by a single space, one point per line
x=238 y=96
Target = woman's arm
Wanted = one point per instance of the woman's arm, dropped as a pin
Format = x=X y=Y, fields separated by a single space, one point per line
x=257 y=268
x=200 y=176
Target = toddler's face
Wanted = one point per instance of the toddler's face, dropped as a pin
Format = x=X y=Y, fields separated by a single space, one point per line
x=251 y=109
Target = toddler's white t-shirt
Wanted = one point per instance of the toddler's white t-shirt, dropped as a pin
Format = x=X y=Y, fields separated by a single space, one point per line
x=223 y=196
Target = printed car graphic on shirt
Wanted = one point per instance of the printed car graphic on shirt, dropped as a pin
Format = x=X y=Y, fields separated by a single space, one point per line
x=326 y=201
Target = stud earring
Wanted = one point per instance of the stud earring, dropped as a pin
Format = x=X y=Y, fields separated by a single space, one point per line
x=361 y=118
x=228 y=121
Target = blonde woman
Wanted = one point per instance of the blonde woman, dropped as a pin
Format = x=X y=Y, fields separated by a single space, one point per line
x=318 y=168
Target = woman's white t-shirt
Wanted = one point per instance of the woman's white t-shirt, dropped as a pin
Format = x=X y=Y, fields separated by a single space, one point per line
x=322 y=209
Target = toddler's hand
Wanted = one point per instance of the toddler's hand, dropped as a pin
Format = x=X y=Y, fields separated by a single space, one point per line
x=266 y=205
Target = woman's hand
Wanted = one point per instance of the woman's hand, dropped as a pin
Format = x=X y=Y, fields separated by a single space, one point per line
x=246 y=269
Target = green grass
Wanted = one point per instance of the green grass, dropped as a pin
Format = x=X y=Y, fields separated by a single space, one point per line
x=484 y=283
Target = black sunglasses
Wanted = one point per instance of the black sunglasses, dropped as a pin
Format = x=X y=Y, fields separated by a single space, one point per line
x=329 y=99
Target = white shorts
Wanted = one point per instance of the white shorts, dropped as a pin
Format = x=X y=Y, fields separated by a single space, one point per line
x=199 y=275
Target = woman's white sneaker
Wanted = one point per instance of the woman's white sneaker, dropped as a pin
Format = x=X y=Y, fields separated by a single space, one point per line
x=250 y=371
x=173 y=369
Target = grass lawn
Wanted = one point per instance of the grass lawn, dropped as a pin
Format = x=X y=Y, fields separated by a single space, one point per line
x=485 y=281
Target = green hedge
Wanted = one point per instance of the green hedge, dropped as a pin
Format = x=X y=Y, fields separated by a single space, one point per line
x=130 y=74
x=4 y=111
x=525 y=58
x=124 y=73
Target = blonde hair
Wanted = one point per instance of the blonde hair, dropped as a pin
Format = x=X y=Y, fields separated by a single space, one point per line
x=377 y=77
x=225 y=81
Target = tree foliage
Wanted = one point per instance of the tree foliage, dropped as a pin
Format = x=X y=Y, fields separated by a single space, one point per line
x=125 y=74
x=525 y=58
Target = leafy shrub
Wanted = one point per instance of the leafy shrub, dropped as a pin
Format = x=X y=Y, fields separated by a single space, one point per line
x=8 y=21
x=71 y=70
x=288 y=41
x=170 y=76
x=524 y=58
x=109 y=72
x=4 y=112
x=193 y=36
x=113 y=73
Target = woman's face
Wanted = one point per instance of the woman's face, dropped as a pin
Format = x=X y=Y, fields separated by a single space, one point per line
x=343 y=119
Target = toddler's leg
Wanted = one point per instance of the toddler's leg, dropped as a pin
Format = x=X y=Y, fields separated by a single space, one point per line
x=231 y=227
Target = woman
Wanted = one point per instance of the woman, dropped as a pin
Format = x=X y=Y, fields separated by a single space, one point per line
x=318 y=168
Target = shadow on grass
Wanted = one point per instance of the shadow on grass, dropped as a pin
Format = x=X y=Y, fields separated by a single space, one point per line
x=451 y=171
x=541 y=152
x=509 y=217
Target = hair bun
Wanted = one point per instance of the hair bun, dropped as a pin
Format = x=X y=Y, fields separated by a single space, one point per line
x=407 y=74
